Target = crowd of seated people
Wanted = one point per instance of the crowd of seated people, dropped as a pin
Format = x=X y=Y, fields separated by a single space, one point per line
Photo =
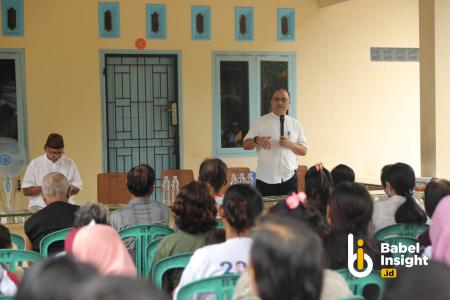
x=295 y=250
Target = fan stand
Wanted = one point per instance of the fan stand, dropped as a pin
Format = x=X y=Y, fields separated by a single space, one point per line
x=9 y=191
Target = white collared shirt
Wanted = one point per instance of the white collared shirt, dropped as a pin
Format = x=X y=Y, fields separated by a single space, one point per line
x=41 y=166
x=277 y=164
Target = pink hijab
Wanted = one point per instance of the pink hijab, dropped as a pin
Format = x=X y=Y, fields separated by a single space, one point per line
x=100 y=245
x=440 y=231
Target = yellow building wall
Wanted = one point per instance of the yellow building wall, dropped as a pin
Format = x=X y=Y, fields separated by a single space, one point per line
x=353 y=111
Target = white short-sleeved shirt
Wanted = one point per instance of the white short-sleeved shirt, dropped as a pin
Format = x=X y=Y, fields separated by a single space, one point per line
x=384 y=211
x=231 y=256
x=277 y=164
x=41 y=166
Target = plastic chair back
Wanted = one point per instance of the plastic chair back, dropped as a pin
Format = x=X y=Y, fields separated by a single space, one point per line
x=150 y=251
x=401 y=230
x=11 y=257
x=223 y=286
x=143 y=235
x=357 y=285
x=18 y=241
x=354 y=297
x=407 y=241
x=179 y=261
x=56 y=236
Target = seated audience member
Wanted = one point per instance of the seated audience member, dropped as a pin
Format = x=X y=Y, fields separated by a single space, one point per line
x=350 y=211
x=318 y=187
x=195 y=211
x=286 y=260
x=334 y=285
x=141 y=209
x=119 y=288
x=91 y=211
x=398 y=181
x=214 y=172
x=241 y=205
x=435 y=190
x=54 y=278
x=420 y=282
x=440 y=232
x=5 y=243
x=57 y=214
x=342 y=173
x=100 y=245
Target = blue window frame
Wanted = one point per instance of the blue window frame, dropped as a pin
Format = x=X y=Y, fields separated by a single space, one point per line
x=243 y=23
x=109 y=12
x=201 y=22
x=286 y=24
x=14 y=8
x=156 y=21
x=242 y=84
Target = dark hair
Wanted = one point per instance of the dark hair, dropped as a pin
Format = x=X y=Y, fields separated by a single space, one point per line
x=420 y=282
x=141 y=180
x=194 y=209
x=351 y=209
x=214 y=172
x=241 y=205
x=435 y=190
x=91 y=211
x=281 y=89
x=54 y=278
x=215 y=236
x=318 y=187
x=402 y=179
x=119 y=288
x=286 y=257
x=310 y=215
x=342 y=173
x=384 y=174
x=54 y=141
x=5 y=237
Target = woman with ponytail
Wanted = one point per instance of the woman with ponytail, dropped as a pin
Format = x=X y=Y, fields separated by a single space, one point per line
x=398 y=181
x=349 y=210
x=241 y=205
x=318 y=187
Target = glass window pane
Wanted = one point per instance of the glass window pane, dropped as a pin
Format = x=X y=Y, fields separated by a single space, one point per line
x=8 y=99
x=234 y=102
x=274 y=75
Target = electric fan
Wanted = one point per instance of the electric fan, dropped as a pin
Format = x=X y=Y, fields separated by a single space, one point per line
x=12 y=160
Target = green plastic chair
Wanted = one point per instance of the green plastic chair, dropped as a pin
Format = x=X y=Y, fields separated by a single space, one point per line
x=354 y=297
x=407 y=241
x=401 y=230
x=18 y=241
x=11 y=257
x=59 y=235
x=143 y=235
x=220 y=224
x=223 y=286
x=6 y=297
x=179 y=261
x=357 y=285
x=149 y=254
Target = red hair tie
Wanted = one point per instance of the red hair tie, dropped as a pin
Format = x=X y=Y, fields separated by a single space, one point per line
x=294 y=200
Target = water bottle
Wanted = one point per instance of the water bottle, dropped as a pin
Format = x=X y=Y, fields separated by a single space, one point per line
x=233 y=179
x=175 y=189
x=249 y=179
x=242 y=178
x=165 y=191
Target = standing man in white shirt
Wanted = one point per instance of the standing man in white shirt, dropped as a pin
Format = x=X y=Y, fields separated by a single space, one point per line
x=52 y=161
x=278 y=139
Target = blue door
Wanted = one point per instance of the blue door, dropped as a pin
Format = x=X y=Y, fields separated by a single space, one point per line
x=141 y=112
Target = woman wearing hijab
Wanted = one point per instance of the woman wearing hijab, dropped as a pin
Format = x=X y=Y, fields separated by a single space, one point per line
x=440 y=232
x=100 y=245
